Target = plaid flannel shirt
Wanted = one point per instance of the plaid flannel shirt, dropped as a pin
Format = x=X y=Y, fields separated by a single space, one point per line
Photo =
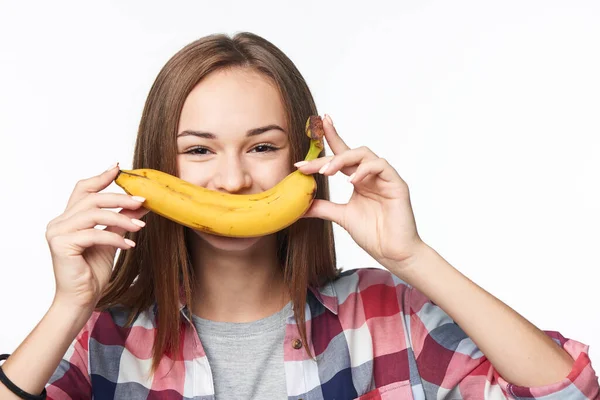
x=375 y=337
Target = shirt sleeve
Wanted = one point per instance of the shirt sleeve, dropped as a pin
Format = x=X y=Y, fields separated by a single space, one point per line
x=71 y=379
x=450 y=364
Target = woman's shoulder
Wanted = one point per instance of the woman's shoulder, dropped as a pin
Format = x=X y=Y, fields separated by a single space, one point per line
x=366 y=280
x=374 y=288
x=368 y=273
x=112 y=325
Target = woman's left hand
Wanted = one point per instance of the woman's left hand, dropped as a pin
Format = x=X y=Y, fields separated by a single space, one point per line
x=379 y=214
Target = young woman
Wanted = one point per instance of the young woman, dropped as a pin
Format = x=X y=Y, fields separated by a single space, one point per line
x=186 y=314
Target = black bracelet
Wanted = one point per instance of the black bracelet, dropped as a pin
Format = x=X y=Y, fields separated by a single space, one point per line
x=14 y=388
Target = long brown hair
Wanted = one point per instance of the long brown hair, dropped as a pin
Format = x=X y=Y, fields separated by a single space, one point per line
x=159 y=265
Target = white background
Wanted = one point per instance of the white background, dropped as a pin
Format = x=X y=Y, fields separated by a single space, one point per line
x=488 y=110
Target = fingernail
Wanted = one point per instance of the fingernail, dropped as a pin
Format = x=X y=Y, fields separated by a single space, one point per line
x=115 y=165
x=130 y=242
x=351 y=177
x=138 y=222
x=328 y=118
x=324 y=168
x=138 y=198
x=300 y=163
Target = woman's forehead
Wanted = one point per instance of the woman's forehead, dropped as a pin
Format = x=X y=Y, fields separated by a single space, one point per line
x=238 y=99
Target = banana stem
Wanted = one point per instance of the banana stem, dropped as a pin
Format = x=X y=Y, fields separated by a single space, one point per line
x=315 y=149
x=314 y=130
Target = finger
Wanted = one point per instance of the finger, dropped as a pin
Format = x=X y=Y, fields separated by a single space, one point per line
x=139 y=213
x=334 y=140
x=104 y=200
x=327 y=210
x=92 y=185
x=313 y=166
x=90 y=219
x=378 y=167
x=133 y=214
x=76 y=242
x=347 y=162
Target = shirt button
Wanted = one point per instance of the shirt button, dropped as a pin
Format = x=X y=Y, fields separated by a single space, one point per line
x=297 y=344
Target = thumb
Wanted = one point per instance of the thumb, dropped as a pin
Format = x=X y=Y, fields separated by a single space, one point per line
x=326 y=209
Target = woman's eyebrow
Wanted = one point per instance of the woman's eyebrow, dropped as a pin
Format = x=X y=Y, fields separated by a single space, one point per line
x=251 y=132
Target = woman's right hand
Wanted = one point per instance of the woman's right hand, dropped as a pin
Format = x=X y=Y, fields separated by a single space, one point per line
x=83 y=255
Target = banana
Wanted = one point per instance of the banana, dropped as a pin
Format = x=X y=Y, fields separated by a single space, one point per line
x=226 y=214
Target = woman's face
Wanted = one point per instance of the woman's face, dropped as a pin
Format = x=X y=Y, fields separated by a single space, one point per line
x=233 y=137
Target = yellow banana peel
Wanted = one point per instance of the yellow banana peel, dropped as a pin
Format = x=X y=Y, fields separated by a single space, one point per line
x=226 y=214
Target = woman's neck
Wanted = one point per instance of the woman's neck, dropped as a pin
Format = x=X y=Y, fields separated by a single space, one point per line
x=237 y=286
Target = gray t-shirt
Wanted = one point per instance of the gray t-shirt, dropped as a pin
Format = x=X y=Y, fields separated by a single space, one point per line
x=246 y=358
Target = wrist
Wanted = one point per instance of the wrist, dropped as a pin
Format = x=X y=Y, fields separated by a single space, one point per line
x=410 y=264
x=73 y=317
x=424 y=266
x=68 y=303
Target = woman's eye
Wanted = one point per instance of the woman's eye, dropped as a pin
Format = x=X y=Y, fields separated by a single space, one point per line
x=263 y=148
x=198 y=151
x=203 y=151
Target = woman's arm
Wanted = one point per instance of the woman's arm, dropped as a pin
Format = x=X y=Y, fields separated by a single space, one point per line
x=380 y=219
x=521 y=353
x=35 y=360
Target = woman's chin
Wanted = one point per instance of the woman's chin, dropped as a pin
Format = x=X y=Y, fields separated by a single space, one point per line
x=228 y=243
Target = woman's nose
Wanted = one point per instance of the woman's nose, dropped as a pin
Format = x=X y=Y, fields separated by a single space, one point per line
x=232 y=177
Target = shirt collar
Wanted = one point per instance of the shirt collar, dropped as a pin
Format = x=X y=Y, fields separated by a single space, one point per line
x=327 y=296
